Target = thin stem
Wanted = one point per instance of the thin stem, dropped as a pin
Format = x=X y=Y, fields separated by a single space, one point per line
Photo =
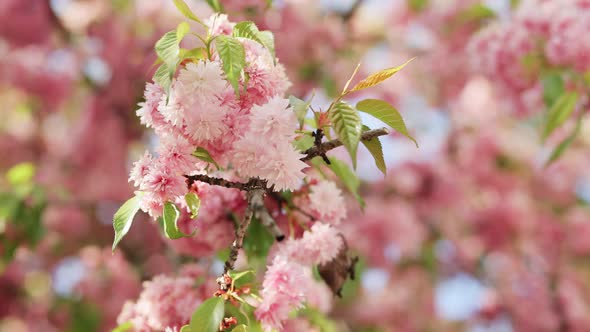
x=220 y=182
x=327 y=146
x=241 y=232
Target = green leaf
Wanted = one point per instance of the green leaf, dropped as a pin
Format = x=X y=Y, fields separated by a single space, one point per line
x=304 y=142
x=168 y=47
x=208 y=316
x=162 y=77
x=125 y=327
x=383 y=111
x=205 y=156
x=170 y=216
x=257 y=241
x=181 y=30
x=553 y=87
x=376 y=149
x=475 y=13
x=347 y=125
x=124 y=218
x=562 y=147
x=197 y=53
x=300 y=108
x=378 y=77
x=194 y=203
x=242 y=278
x=233 y=57
x=268 y=41
x=215 y=5
x=185 y=328
x=249 y=30
x=348 y=177
x=186 y=11
x=241 y=328
x=21 y=174
x=559 y=112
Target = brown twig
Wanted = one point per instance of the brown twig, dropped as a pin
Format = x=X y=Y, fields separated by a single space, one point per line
x=256 y=188
x=329 y=145
x=261 y=212
x=221 y=182
x=241 y=232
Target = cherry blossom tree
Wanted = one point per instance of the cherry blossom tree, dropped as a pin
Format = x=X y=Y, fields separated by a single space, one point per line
x=235 y=127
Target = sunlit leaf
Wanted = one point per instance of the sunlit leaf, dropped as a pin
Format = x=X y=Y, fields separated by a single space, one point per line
x=168 y=49
x=376 y=149
x=208 y=316
x=194 y=204
x=241 y=328
x=197 y=53
x=215 y=5
x=170 y=217
x=383 y=111
x=300 y=108
x=21 y=174
x=560 y=112
x=181 y=30
x=233 y=57
x=347 y=124
x=303 y=143
x=186 y=11
x=378 y=77
x=553 y=87
x=249 y=30
x=125 y=327
x=241 y=278
x=562 y=147
x=124 y=218
x=476 y=12
x=205 y=156
x=162 y=77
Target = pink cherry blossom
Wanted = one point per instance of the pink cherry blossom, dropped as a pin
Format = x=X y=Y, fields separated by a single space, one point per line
x=164 y=302
x=327 y=202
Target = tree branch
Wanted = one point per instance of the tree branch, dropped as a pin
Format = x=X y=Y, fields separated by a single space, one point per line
x=256 y=188
x=327 y=146
x=241 y=230
x=252 y=183
x=310 y=153
x=261 y=212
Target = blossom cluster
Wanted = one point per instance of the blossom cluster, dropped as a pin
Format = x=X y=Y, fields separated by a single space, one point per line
x=288 y=282
x=541 y=35
x=202 y=110
x=166 y=302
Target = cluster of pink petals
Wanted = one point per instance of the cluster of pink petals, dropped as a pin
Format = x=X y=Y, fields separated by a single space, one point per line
x=250 y=134
x=288 y=282
x=215 y=230
x=165 y=302
x=511 y=52
x=281 y=292
x=327 y=202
